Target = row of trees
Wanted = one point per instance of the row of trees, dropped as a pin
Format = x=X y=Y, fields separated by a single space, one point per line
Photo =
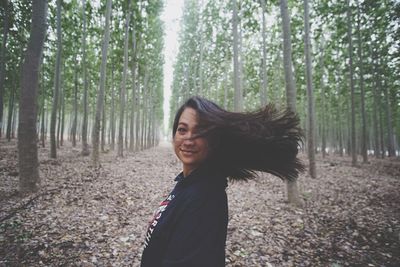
x=354 y=48
x=100 y=75
x=336 y=63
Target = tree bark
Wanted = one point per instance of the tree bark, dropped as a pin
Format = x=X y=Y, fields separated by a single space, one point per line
x=310 y=94
x=112 y=117
x=238 y=101
x=323 y=104
x=133 y=101
x=75 y=107
x=263 y=89
x=29 y=179
x=123 y=89
x=389 y=125
x=103 y=128
x=100 y=95
x=201 y=22
x=62 y=114
x=352 y=97
x=85 y=145
x=6 y=21
x=53 y=120
x=10 y=114
x=375 y=105
x=287 y=57
x=364 y=152
x=292 y=188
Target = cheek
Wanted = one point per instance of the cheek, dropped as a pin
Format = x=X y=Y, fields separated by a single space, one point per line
x=175 y=143
x=204 y=147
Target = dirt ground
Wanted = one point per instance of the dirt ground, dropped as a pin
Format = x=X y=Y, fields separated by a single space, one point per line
x=85 y=216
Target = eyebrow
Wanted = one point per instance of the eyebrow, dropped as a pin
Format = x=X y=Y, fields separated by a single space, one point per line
x=185 y=124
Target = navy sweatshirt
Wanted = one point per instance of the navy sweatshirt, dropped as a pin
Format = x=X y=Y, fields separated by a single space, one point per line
x=189 y=228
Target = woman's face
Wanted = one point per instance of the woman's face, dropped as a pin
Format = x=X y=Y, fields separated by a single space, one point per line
x=191 y=151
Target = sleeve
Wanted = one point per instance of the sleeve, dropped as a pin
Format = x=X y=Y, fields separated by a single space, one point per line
x=198 y=239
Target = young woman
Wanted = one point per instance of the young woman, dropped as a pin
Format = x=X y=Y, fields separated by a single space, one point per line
x=190 y=226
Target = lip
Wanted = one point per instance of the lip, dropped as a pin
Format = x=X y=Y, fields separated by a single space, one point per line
x=188 y=152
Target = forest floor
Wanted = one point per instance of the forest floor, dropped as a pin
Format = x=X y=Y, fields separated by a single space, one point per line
x=85 y=216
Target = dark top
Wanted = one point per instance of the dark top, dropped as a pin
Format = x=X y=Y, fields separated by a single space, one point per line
x=189 y=228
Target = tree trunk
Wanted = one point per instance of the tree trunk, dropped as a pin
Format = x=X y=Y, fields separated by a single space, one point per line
x=238 y=102
x=310 y=94
x=123 y=89
x=85 y=145
x=53 y=121
x=201 y=22
x=112 y=117
x=364 y=152
x=137 y=120
x=292 y=188
x=352 y=97
x=390 y=137
x=100 y=95
x=44 y=113
x=10 y=114
x=103 y=128
x=263 y=89
x=287 y=57
x=6 y=21
x=375 y=105
x=133 y=101
x=126 y=124
x=75 y=107
x=323 y=104
x=381 y=139
x=29 y=179
x=62 y=117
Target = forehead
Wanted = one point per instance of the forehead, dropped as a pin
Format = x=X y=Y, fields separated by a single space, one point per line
x=189 y=116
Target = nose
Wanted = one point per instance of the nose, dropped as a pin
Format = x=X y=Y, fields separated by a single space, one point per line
x=188 y=140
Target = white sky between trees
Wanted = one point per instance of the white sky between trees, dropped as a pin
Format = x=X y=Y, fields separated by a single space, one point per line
x=171 y=16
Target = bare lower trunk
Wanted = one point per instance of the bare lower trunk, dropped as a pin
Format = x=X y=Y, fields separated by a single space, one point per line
x=238 y=101
x=310 y=94
x=101 y=92
x=3 y=60
x=85 y=145
x=53 y=121
x=353 y=111
x=123 y=89
x=29 y=179
x=292 y=189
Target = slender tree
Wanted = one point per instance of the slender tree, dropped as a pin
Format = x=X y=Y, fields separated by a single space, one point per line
x=57 y=81
x=6 y=22
x=238 y=102
x=85 y=145
x=361 y=81
x=351 y=78
x=389 y=125
x=263 y=89
x=112 y=117
x=310 y=94
x=323 y=104
x=292 y=188
x=100 y=95
x=75 y=105
x=124 y=80
x=134 y=96
x=29 y=179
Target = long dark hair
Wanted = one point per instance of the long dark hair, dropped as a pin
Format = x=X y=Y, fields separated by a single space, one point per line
x=242 y=143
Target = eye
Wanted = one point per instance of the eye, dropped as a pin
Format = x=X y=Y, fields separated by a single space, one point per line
x=181 y=130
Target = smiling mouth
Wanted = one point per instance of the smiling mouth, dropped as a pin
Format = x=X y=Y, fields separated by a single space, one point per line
x=188 y=152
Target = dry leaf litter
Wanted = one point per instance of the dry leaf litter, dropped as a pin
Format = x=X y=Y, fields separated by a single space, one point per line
x=86 y=216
